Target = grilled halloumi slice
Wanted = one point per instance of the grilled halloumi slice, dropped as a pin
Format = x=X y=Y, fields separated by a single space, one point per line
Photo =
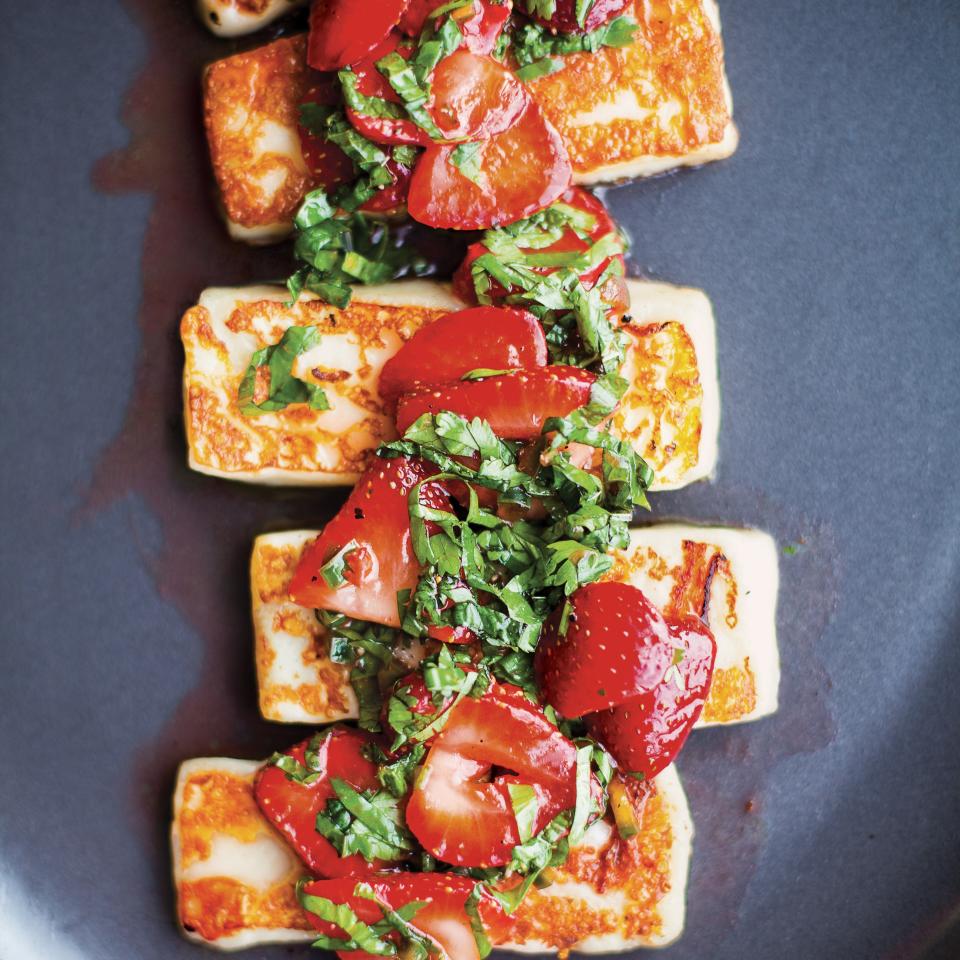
x=661 y=102
x=235 y=18
x=235 y=876
x=727 y=576
x=670 y=412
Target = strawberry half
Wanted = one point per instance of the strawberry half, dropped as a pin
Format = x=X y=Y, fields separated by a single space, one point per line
x=638 y=679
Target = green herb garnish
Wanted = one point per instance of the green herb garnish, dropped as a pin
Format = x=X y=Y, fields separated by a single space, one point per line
x=269 y=384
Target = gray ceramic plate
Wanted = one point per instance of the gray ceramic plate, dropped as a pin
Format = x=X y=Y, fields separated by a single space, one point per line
x=830 y=245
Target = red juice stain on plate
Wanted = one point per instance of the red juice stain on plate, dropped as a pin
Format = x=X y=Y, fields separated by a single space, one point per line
x=208 y=525
x=724 y=769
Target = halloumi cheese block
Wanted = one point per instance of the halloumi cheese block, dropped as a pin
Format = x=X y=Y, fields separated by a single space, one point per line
x=670 y=412
x=235 y=18
x=725 y=575
x=235 y=876
x=659 y=103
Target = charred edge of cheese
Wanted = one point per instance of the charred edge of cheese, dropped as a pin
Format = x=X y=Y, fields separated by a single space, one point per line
x=735 y=590
x=652 y=302
x=226 y=854
x=670 y=412
x=652 y=166
x=296 y=680
x=732 y=571
x=215 y=354
x=218 y=828
x=235 y=18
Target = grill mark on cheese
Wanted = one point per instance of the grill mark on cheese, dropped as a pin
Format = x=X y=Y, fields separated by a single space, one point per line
x=703 y=575
x=637 y=869
x=217 y=805
x=325 y=690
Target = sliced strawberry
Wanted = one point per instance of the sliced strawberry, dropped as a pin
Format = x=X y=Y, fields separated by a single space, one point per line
x=443 y=917
x=393 y=197
x=344 y=31
x=376 y=517
x=372 y=83
x=292 y=807
x=327 y=163
x=644 y=734
x=474 y=97
x=614 y=645
x=516 y=405
x=463 y=814
x=570 y=242
x=564 y=16
x=521 y=171
x=490 y=338
x=480 y=24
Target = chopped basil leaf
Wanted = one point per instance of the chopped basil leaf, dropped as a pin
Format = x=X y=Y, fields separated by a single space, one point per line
x=364 y=105
x=472 y=906
x=333 y=571
x=539 y=68
x=534 y=42
x=410 y=78
x=307 y=772
x=466 y=158
x=360 y=936
x=378 y=812
x=442 y=676
x=419 y=947
x=336 y=244
x=397 y=776
x=368 y=648
x=481 y=373
x=269 y=384
x=523 y=799
x=584 y=806
x=581 y=9
x=541 y=8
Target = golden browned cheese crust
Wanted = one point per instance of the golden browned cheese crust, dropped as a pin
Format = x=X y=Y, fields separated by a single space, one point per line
x=216 y=805
x=320 y=688
x=666 y=90
x=702 y=584
x=250 y=109
x=661 y=414
x=354 y=343
x=638 y=869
